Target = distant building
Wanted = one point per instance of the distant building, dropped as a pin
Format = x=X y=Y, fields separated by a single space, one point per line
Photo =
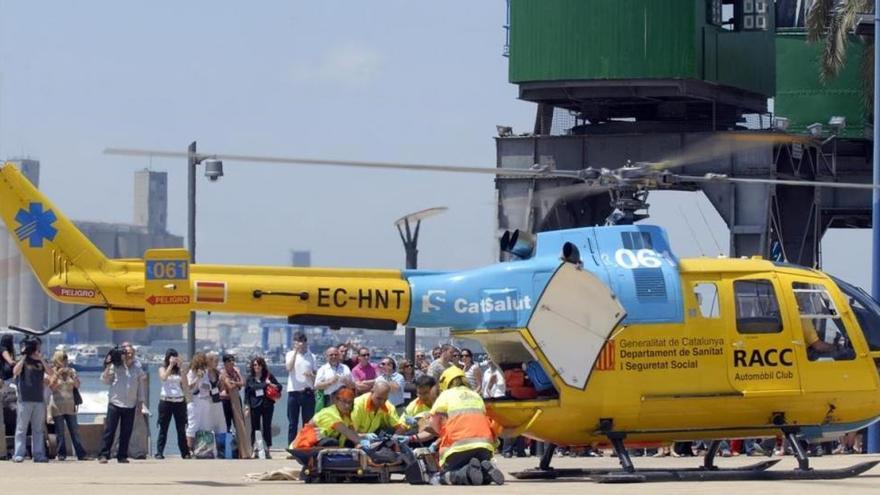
x=24 y=303
x=300 y=258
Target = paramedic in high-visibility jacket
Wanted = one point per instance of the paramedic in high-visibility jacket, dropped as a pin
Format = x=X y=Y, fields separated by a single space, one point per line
x=332 y=426
x=467 y=437
x=372 y=413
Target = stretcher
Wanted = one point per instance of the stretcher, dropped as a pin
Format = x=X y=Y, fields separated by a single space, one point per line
x=340 y=465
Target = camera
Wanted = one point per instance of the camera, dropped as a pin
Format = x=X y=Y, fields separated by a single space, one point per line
x=114 y=356
x=213 y=169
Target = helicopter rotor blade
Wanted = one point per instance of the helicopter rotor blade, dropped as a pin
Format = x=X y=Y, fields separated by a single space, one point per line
x=780 y=182
x=506 y=172
x=721 y=145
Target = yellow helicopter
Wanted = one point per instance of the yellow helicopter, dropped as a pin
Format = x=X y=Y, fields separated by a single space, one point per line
x=621 y=340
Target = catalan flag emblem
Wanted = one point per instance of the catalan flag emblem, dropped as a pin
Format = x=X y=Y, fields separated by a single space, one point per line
x=210 y=292
x=605 y=362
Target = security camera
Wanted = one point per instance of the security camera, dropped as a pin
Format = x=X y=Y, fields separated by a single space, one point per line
x=213 y=169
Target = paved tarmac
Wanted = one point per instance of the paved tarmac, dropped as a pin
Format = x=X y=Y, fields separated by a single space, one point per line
x=174 y=475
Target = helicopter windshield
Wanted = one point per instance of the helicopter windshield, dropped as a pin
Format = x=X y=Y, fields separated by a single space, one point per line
x=867 y=312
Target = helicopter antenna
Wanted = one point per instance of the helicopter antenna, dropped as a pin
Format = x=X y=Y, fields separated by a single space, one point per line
x=691 y=229
x=708 y=228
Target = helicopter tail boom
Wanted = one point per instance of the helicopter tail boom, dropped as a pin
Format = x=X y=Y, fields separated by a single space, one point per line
x=60 y=255
x=163 y=288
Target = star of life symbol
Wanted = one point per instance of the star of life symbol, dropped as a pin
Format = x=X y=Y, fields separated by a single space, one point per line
x=35 y=225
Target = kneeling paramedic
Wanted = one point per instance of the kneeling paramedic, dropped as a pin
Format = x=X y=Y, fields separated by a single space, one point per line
x=372 y=413
x=467 y=439
x=332 y=426
x=421 y=405
x=419 y=411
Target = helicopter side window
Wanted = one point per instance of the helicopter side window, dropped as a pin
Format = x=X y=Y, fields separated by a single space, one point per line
x=757 y=309
x=706 y=294
x=824 y=332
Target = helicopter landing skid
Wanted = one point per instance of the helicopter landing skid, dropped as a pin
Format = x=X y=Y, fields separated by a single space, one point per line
x=734 y=475
x=554 y=473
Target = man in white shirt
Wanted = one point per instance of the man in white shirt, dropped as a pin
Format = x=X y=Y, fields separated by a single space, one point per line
x=301 y=366
x=493 y=381
x=333 y=375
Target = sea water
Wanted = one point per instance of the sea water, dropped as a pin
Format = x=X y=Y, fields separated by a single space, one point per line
x=94 y=394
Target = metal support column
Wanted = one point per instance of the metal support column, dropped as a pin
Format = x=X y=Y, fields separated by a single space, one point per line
x=874 y=430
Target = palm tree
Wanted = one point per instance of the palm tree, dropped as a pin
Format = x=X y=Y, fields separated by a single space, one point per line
x=832 y=21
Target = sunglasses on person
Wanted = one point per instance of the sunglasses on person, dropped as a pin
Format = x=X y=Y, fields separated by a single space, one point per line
x=466 y=355
x=365 y=354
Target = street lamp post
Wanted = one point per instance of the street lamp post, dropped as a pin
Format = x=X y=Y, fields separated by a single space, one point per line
x=213 y=170
x=410 y=237
x=192 y=161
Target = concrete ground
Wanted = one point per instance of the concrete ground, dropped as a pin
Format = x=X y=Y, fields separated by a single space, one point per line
x=219 y=476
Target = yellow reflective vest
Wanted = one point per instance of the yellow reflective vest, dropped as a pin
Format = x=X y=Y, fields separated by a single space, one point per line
x=370 y=419
x=416 y=408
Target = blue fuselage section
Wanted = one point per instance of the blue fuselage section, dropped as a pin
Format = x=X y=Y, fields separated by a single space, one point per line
x=635 y=262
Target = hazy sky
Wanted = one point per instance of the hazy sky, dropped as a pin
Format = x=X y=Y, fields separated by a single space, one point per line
x=392 y=80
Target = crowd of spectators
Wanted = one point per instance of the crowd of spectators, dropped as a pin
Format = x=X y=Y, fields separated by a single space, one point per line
x=212 y=396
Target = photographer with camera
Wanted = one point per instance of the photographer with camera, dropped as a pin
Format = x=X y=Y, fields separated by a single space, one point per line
x=204 y=412
x=172 y=404
x=126 y=380
x=31 y=375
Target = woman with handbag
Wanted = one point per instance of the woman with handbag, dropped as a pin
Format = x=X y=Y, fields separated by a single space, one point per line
x=261 y=391
x=62 y=405
x=232 y=383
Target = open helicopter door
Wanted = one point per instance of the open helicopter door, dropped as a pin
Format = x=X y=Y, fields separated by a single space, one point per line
x=572 y=322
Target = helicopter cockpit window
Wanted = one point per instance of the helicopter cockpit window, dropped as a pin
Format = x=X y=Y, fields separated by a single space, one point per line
x=824 y=332
x=866 y=309
x=757 y=309
x=636 y=240
x=706 y=294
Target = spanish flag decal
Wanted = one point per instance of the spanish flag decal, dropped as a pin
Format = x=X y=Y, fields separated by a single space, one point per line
x=210 y=292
